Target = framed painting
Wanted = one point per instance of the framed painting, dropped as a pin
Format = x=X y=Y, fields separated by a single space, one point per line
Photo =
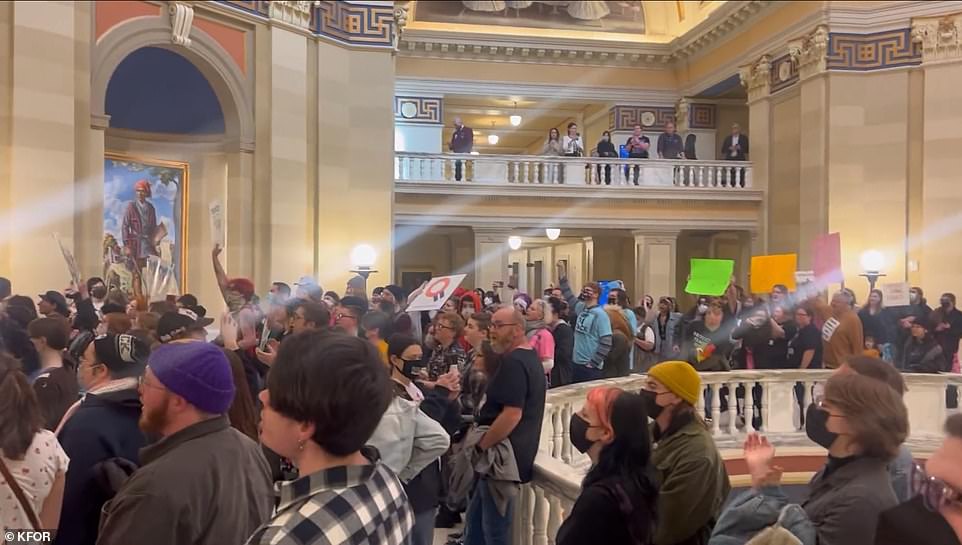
x=145 y=225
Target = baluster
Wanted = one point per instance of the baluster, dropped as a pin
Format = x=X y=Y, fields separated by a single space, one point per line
x=540 y=523
x=716 y=409
x=748 y=177
x=749 y=406
x=519 y=172
x=700 y=406
x=732 y=408
x=557 y=438
x=566 y=439
x=554 y=518
x=802 y=403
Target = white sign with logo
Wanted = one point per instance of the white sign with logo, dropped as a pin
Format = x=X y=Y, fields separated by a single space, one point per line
x=436 y=292
x=217 y=223
x=895 y=294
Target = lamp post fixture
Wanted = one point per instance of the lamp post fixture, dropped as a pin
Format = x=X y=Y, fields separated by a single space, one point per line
x=363 y=257
x=872 y=262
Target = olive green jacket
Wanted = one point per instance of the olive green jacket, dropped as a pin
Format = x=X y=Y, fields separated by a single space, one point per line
x=693 y=485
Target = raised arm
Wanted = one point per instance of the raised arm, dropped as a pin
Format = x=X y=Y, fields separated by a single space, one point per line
x=219 y=269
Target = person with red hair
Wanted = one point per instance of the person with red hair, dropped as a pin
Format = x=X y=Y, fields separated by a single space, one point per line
x=619 y=493
x=139 y=226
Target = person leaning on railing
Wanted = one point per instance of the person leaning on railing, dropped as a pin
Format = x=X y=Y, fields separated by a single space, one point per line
x=606 y=148
x=694 y=481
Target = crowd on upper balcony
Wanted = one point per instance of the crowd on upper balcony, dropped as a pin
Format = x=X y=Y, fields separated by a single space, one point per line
x=315 y=417
x=670 y=145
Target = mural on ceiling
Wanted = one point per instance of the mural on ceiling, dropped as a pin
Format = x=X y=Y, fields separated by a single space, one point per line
x=591 y=15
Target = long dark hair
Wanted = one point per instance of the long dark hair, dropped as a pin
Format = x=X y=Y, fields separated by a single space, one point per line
x=20 y=416
x=625 y=465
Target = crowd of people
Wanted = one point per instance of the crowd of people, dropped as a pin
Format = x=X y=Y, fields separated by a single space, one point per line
x=669 y=145
x=315 y=417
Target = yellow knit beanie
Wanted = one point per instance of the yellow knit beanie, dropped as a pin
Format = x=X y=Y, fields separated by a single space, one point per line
x=679 y=377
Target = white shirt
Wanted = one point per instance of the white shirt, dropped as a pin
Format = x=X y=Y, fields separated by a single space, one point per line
x=572 y=145
x=735 y=138
x=35 y=474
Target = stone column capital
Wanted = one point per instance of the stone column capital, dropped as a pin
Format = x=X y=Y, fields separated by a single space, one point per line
x=656 y=234
x=808 y=52
x=681 y=115
x=757 y=78
x=939 y=38
x=296 y=13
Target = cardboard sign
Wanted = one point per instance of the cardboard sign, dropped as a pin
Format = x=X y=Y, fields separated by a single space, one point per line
x=217 y=223
x=768 y=270
x=71 y=261
x=709 y=276
x=436 y=292
x=827 y=257
x=804 y=277
x=895 y=294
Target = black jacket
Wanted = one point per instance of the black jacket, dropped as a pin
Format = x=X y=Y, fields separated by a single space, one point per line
x=880 y=327
x=56 y=391
x=845 y=504
x=564 y=348
x=598 y=516
x=923 y=357
x=606 y=149
x=903 y=524
x=104 y=427
x=742 y=148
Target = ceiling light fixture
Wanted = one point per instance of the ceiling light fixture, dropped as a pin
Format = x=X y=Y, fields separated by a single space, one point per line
x=515 y=118
x=493 y=138
x=552 y=234
x=514 y=242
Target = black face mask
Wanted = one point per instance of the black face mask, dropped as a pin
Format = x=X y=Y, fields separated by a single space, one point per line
x=816 y=421
x=99 y=292
x=412 y=369
x=651 y=405
x=578 y=431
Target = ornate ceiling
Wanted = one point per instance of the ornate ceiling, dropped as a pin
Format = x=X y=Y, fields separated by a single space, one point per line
x=582 y=32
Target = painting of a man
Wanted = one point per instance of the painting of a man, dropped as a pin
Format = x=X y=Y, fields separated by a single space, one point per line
x=145 y=220
x=140 y=224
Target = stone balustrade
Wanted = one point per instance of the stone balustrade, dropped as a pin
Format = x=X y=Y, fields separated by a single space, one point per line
x=559 y=467
x=573 y=171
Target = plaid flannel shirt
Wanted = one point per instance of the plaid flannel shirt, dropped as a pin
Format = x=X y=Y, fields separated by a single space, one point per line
x=347 y=504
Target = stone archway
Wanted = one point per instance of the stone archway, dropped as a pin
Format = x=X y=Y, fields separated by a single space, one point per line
x=215 y=63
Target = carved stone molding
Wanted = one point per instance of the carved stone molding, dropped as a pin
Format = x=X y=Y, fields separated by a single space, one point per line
x=296 y=13
x=181 y=19
x=400 y=21
x=757 y=78
x=808 y=52
x=681 y=115
x=940 y=38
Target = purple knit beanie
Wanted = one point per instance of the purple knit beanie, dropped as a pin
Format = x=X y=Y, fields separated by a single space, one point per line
x=196 y=371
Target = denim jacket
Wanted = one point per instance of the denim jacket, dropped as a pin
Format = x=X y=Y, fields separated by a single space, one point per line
x=753 y=511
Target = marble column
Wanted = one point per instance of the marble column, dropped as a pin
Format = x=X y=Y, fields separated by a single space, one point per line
x=490 y=256
x=756 y=77
x=655 y=256
x=941 y=193
x=43 y=144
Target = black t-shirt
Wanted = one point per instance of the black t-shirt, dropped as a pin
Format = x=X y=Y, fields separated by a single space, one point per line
x=807 y=338
x=520 y=383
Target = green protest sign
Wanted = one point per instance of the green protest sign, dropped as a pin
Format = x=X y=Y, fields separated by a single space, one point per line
x=709 y=276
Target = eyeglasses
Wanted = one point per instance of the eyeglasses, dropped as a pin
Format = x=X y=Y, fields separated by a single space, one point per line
x=935 y=493
x=822 y=405
x=142 y=382
x=341 y=315
x=442 y=326
x=500 y=325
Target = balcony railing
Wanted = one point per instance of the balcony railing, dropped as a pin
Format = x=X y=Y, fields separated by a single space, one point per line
x=559 y=468
x=533 y=169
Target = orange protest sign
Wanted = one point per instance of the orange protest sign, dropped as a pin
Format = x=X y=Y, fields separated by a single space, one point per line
x=769 y=270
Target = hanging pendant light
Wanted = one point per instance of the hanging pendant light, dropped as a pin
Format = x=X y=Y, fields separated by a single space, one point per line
x=515 y=118
x=493 y=139
x=552 y=234
x=514 y=242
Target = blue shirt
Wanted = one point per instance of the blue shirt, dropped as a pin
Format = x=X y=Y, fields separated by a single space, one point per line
x=591 y=326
